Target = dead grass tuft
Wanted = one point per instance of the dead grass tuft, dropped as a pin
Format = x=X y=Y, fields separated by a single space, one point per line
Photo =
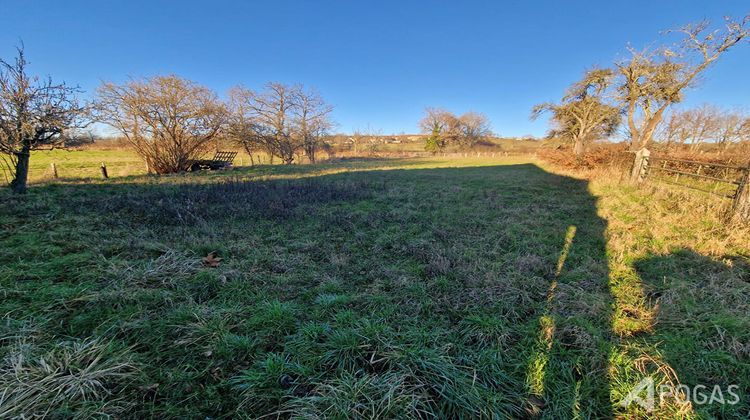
x=82 y=377
x=167 y=270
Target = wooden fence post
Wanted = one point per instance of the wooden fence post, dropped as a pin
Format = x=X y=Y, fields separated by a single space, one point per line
x=104 y=171
x=54 y=170
x=741 y=204
x=640 y=165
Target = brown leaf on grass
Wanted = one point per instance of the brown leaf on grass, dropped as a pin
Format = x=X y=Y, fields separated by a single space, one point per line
x=211 y=260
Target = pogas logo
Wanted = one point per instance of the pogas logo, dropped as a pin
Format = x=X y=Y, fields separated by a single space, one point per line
x=647 y=395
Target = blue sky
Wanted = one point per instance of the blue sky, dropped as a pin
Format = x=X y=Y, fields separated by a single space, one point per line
x=380 y=63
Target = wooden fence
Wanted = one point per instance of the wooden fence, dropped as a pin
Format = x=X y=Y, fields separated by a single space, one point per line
x=725 y=181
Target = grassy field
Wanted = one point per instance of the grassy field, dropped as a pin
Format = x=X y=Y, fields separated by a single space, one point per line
x=81 y=165
x=366 y=288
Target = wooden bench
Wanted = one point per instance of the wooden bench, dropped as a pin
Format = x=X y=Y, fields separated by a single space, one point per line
x=220 y=160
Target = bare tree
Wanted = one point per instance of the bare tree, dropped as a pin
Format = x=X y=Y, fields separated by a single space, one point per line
x=366 y=140
x=440 y=125
x=473 y=127
x=584 y=115
x=733 y=128
x=445 y=129
x=240 y=128
x=702 y=124
x=34 y=114
x=675 y=131
x=271 y=113
x=652 y=81
x=435 y=119
x=168 y=120
x=357 y=140
x=312 y=120
x=282 y=119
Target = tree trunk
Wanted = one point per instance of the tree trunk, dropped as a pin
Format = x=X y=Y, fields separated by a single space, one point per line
x=578 y=148
x=648 y=131
x=249 y=151
x=311 y=154
x=18 y=185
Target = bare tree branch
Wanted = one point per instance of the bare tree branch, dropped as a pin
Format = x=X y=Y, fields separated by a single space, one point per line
x=168 y=120
x=34 y=113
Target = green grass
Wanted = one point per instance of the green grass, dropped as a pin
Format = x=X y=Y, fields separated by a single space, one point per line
x=81 y=164
x=84 y=165
x=366 y=288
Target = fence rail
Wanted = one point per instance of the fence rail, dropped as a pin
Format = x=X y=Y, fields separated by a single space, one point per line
x=723 y=180
x=697 y=162
x=675 y=171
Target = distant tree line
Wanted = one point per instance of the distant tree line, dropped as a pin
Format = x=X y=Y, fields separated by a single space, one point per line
x=704 y=124
x=638 y=92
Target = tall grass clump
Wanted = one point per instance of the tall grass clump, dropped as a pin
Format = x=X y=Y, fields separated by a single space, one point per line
x=78 y=378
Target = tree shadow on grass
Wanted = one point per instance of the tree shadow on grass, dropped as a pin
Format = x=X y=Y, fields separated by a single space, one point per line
x=461 y=292
x=702 y=326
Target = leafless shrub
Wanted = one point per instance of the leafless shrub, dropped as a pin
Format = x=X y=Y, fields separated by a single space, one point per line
x=166 y=119
x=598 y=157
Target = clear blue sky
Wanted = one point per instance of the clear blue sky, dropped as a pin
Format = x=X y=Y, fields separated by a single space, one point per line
x=378 y=62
